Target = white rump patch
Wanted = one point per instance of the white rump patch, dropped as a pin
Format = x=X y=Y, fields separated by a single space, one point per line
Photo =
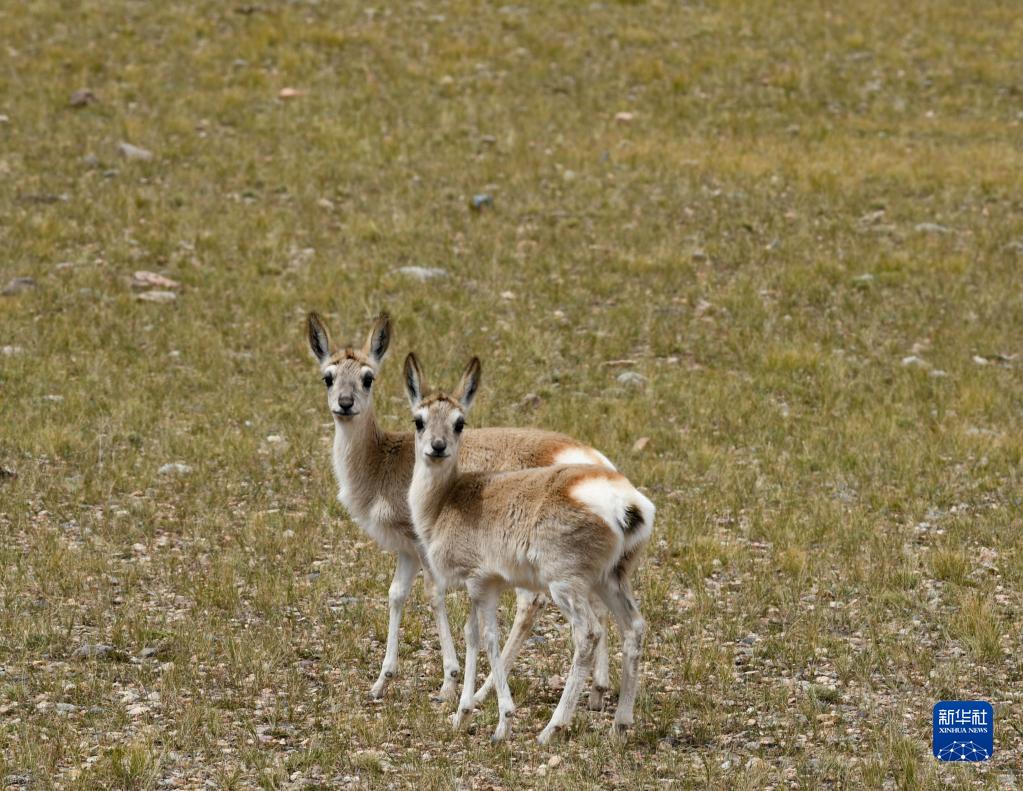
x=610 y=499
x=583 y=455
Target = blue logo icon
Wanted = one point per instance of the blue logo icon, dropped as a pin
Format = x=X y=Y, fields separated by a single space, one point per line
x=964 y=730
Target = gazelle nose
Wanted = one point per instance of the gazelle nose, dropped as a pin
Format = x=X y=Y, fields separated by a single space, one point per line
x=439 y=445
x=346 y=402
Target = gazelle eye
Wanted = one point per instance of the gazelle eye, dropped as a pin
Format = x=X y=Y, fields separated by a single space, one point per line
x=328 y=379
x=420 y=425
x=459 y=425
x=367 y=381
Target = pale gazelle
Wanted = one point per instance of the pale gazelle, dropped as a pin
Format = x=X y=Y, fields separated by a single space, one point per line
x=572 y=530
x=374 y=469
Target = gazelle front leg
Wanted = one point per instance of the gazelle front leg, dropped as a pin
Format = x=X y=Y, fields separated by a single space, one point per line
x=464 y=712
x=527 y=605
x=436 y=594
x=404 y=575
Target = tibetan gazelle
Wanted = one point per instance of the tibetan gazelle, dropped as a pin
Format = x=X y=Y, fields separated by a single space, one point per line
x=572 y=530
x=374 y=469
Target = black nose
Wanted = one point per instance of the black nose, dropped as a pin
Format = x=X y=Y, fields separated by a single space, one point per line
x=439 y=446
x=346 y=402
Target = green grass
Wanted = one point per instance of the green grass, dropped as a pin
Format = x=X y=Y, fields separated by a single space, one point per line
x=838 y=541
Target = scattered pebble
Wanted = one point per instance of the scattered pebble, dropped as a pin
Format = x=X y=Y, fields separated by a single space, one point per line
x=175 y=468
x=481 y=201
x=508 y=295
x=866 y=277
x=981 y=360
x=937 y=373
x=289 y=93
x=129 y=151
x=422 y=273
x=11 y=351
x=624 y=117
x=157 y=296
x=4 y=119
x=65 y=708
x=932 y=227
x=82 y=98
x=19 y=285
x=53 y=397
x=914 y=360
x=7 y=474
x=632 y=379
x=640 y=444
x=532 y=401
x=143 y=279
x=91 y=160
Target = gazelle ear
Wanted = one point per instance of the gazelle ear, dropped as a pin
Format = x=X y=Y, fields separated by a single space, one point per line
x=470 y=383
x=379 y=339
x=413 y=380
x=319 y=339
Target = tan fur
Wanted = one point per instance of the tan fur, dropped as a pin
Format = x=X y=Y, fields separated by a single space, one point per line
x=572 y=530
x=373 y=469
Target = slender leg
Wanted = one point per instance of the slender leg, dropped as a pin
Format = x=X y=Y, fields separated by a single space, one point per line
x=436 y=594
x=527 y=605
x=464 y=712
x=404 y=575
x=601 y=672
x=585 y=634
x=492 y=639
x=617 y=594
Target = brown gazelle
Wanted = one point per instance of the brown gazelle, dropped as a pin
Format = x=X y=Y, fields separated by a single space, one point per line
x=572 y=530
x=374 y=469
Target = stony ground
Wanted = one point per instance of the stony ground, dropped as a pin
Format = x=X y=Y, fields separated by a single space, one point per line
x=765 y=256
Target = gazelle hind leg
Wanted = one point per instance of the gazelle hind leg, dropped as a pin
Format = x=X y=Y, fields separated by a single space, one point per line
x=436 y=594
x=617 y=595
x=464 y=711
x=585 y=633
x=601 y=672
x=404 y=576
x=492 y=639
x=527 y=605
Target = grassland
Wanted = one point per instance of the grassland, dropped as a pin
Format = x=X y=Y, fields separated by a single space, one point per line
x=801 y=222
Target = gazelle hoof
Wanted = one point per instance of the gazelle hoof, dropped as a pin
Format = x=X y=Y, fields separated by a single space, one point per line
x=460 y=719
x=596 y=702
x=550 y=733
x=620 y=731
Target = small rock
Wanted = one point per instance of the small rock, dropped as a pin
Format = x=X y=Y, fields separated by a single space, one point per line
x=556 y=682
x=143 y=279
x=937 y=373
x=65 y=708
x=82 y=98
x=128 y=151
x=174 y=468
x=4 y=119
x=914 y=360
x=11 y=351
x=508 y=295
x=97 y=651
x=624 y=117
x=157 y=296
x=631 y=379
x=866 y=277
x=91 y=160
x=640 y=444
x=289 y=93
x=19 y=285
x=481 y=201
x=532 y=401
x=981 y=360
x=7 y=474
x=422 y=273
x=698 y=255
x=931 y=227
x=555 y=761
x=56 y=399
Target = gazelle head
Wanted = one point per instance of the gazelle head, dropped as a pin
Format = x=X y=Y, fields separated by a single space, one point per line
x=439 y=418
x=349 y=373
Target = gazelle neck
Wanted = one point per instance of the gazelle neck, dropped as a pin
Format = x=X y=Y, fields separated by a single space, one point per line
x=430 y=485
